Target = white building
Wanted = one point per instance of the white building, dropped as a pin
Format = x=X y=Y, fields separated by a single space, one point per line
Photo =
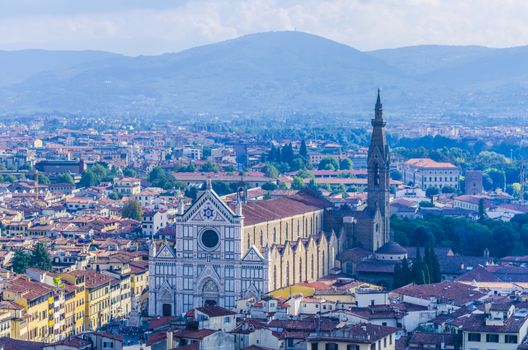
x=153 y=221
x=425 y=172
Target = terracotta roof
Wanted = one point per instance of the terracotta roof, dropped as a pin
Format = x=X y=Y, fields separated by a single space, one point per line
x=420 y=338
x=274 y=209
x=215 y=311
x=496 y=273
x=477 y=323
x=365 y=333
x=15 y=344
x=160 y=321
x=156 y=337
x=194 y=334
x=354 y=254
x=429 y=163
x=445 y=291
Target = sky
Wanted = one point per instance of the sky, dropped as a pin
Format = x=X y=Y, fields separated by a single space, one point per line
x=150 y=27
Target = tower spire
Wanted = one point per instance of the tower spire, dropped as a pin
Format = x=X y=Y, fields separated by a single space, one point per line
x=378 y=111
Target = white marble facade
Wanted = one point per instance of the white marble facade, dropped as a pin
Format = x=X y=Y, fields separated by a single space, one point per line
x=205 y=265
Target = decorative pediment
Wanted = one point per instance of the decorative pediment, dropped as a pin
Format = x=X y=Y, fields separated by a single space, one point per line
x=253 y=255
x=208 y=208
x=165 y=252
x=209 y=272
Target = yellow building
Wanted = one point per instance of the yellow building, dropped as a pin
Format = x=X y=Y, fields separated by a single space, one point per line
x=97 y=309
x=138 y=278
x=75 y=283
x=18 y=325
x=37 y=300
x=5 y=324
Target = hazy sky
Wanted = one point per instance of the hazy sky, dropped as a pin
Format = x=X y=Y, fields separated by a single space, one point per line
x=156 y=26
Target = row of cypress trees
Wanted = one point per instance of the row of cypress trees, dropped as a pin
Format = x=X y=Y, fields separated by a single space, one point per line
x=424 y=270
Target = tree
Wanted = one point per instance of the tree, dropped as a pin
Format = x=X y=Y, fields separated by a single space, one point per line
x=115 y=196
x=396 y=175
x=287 y=154
x=498 y=178
x=88 y=179
x=269 y=186
x=10 y=178
x=313 y=185
x=328 y=163
x=431 y=261
x=345 y=164
x=64 y=178
x=40 y=258
x=426 y=204
x=303 y=150
x=417 y=268
x=406 y=271
x=481 y=210
x=448 y=189
x=43 y=179
x=99 y=171
x=132 y=209
x=397 y=278
x=210 y=167
x=20 y=261
x=297 y=183
x=431 y=191
x=156 y=175
x=271 y=171
x=129 y=172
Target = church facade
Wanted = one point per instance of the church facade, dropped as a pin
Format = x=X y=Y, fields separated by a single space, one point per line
x=221 y=254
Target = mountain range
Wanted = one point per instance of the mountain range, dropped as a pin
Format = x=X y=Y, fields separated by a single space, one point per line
x=268 y=74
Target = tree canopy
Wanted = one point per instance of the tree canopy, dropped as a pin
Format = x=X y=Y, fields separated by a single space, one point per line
x=132 y=209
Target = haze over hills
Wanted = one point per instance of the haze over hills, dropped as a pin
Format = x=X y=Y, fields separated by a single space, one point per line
x=270 y=74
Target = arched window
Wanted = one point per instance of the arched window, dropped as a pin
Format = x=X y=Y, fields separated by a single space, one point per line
x=275 y=235
x=287 y=273
x=323 y=264
x=261 y=239
x=286 y=231
x=300 y=270
x=313 y=267
x=275 y=277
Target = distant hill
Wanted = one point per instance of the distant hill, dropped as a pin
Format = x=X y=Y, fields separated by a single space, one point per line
x=268 y=74
x=17 y=66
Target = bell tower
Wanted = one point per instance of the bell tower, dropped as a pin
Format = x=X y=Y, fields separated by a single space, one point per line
x=378 y=164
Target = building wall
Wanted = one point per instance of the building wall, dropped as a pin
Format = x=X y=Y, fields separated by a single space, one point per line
x=285 y=229
x=431 y=177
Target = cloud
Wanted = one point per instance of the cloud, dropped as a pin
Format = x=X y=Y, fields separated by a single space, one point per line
x=153 y=27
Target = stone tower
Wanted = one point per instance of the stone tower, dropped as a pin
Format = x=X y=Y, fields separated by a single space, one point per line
x=378 y=163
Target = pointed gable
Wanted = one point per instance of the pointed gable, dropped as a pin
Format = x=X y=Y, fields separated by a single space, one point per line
x=253 y=255
x=209 y=207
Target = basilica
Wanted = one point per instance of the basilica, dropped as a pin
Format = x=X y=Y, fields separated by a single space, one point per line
x=221 y=253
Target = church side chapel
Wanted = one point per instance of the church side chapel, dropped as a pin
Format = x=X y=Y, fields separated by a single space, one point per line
x=222 y=253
